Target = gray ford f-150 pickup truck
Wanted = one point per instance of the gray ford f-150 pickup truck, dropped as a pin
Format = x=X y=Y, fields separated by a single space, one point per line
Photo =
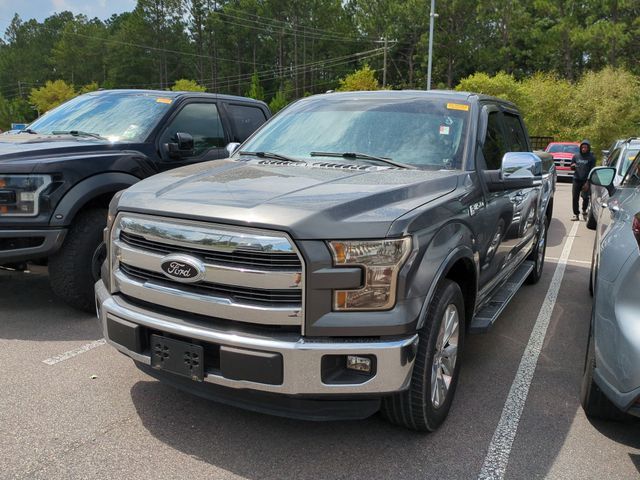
x=334 y=264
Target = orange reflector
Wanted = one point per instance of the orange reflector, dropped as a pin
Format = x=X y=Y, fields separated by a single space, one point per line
x=4 y=209
x=163 y=100
x=341 y=299
x=340 y=252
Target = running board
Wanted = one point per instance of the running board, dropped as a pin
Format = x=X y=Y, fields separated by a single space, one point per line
x=484 y=318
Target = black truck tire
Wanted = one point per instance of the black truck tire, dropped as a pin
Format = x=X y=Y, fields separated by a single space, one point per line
x=538 y=254
x=593 y=400
x=71 y=269
x=415 y=408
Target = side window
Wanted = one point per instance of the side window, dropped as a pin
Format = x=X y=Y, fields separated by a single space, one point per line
x=246 y=120
x=515 y=132
x=632 y=178
x=495 y=145
x=614 y=158
x=202 y=122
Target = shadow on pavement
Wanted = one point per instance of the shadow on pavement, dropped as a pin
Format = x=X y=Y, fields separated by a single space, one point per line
x=30 y=311
x=557 y=233
x=253 y=445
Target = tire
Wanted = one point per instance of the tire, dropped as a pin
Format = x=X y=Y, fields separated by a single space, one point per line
x=416 y=408
x=591 y=220
x=538 y=254
x=594 y=402
x=72 y=270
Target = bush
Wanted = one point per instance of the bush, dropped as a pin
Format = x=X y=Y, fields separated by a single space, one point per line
x=363 y=79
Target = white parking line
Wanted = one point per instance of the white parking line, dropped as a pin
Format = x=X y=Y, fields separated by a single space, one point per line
x=495 y=463
x=72 y=353
x=582 y=262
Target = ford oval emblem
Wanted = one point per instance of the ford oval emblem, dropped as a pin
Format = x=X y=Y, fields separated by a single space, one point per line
x=182 y=268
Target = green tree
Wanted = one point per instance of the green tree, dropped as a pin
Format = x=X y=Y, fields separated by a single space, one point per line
x=51 y=95
x=255 y=89
x=363 y=79
x=185 y=85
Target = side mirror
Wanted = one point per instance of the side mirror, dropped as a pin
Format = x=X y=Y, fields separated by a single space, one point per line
x=182 y=147
x=231 y=147
x=603 y=177
x=519 y=170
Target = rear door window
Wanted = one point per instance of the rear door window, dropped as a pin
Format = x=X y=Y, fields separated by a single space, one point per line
x=246 y=120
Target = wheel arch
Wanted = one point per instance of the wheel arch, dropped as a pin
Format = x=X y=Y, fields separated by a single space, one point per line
x=95 y=191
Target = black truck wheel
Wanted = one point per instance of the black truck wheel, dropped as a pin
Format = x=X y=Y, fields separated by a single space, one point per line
x=538 y=254
x=425 y=405
x=72 y=270
x=593 y=400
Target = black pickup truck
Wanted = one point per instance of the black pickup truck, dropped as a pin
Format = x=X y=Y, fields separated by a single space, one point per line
x=58 y=176
x=334 y=264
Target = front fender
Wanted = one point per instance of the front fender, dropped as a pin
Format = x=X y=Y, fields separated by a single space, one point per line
x=87 y=190
x=452 y=243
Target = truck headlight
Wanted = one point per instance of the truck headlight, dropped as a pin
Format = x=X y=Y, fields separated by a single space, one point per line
x=20 y=194
x=380 y=261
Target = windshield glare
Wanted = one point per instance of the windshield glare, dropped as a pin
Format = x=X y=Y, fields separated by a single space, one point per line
x=425 y=133
x=627 y=160
x=126 y=117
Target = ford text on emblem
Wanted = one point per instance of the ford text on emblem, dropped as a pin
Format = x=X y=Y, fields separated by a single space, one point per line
x=182 y=268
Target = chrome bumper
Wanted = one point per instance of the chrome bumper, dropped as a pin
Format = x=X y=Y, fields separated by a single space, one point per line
x=301 y=356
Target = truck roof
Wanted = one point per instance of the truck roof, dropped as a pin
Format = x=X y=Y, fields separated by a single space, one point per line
x=176 y=95
x=453 y=95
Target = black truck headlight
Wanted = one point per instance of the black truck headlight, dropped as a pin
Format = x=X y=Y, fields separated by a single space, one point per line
x=380 y=261
x=20 y=194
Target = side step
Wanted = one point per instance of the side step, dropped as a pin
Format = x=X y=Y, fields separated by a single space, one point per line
x=483 y=319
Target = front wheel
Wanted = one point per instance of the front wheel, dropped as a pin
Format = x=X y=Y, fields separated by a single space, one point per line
x=72 y=270
x=425 y=405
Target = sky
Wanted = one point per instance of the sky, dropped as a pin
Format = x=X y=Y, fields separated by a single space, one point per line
x=41 y=9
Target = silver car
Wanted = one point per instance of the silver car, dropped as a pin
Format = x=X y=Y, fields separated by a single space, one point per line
x=611 y=380
x=620 y=158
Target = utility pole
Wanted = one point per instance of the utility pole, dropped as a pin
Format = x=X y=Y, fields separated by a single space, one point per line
x=384 y=70
x=432 y=17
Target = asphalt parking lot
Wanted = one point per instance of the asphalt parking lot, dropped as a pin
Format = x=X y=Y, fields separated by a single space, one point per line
x=72 y=407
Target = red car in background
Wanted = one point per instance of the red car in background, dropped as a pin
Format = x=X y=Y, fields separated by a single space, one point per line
x=562 y=153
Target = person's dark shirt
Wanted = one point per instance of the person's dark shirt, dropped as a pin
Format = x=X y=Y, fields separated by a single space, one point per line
x=584 y=162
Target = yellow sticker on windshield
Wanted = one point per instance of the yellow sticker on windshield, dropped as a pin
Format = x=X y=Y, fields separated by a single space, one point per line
x=163 y=100
x=458 y=106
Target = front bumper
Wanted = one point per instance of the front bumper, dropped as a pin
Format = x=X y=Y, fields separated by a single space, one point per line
x=23 y=245
x=302 y=357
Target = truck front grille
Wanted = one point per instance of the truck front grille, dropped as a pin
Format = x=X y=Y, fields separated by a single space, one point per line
x=247 y=275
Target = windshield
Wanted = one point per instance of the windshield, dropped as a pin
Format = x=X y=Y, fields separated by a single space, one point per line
x=425 y=133
x=559 y=148
x=627 y=160
x=118 y=117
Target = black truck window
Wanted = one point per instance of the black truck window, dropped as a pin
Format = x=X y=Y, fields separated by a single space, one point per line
x=495 y=145
x=202 y=121
x=516 y=133
x=246 y=120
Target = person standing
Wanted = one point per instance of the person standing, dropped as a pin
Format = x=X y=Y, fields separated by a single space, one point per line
x=581 y=164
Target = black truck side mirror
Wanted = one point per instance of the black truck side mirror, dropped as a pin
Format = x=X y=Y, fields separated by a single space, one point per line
x=182 y=147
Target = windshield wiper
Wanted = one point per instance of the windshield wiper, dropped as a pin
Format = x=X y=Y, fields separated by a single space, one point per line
x=272 y=155
x=361 y=156
x=77 y=133
x=28 y=130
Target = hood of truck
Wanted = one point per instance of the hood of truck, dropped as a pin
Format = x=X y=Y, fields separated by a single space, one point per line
x=31 y=149
x=310 y=201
